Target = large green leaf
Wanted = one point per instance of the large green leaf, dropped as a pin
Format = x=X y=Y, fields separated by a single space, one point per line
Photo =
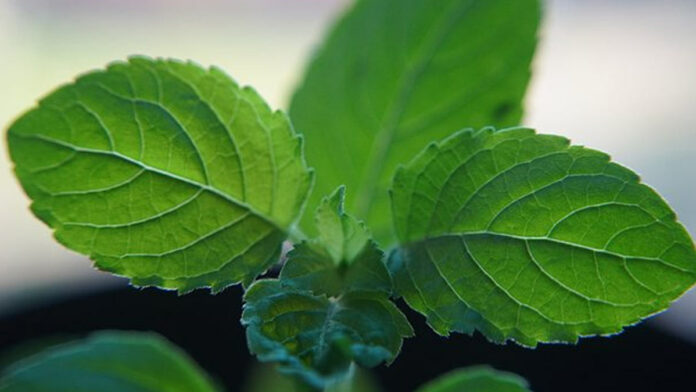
x=476 y=379
x=316 y=337
x=108 y=362
x=163 y=172
x=524 y=237
x=394 y=75
x=342 y=259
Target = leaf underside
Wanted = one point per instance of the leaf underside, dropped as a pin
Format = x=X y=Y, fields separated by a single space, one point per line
x=476 y=379
x=163 y=172
x=394 y=75
x=524 y=237
x=108 y=362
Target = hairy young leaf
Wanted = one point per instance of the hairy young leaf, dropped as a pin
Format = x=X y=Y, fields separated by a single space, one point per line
x=163 y=172
x=394 y=75
x=316 y=337
x=476 y=379
x=342 y=259
x=108 y=362
x=524 y=237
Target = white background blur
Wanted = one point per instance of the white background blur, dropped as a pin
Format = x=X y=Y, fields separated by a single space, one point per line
x=616 y=75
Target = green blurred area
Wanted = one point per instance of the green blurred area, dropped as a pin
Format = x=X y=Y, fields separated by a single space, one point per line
x=264 y=378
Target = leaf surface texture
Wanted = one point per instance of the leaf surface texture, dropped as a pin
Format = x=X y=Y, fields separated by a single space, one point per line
x=163 y=172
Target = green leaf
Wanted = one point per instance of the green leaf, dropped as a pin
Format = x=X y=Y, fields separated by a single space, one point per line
x=342 y=259
x=163 y=172
x=524 y=237
x=315 y=337
x=309 y=267
x=476 y=379
x=394 y=75
x=108 y=362
x=342 y=236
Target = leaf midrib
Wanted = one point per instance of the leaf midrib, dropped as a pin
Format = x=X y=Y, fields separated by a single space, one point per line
x=382 y=141
x=549 y=239
x=225 y=125
x=153 y=169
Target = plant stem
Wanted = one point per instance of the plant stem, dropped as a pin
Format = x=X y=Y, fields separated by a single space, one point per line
x=345 y=384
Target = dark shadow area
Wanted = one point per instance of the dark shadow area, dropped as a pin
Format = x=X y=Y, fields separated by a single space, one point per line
x=208 y=328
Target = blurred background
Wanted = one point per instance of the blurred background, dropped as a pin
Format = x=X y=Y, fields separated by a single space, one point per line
x=616 y=75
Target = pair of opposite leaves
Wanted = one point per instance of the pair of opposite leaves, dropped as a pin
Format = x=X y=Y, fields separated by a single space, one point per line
x=174 y=176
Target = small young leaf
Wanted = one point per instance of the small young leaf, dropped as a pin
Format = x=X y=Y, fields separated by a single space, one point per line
x=163 y=172
x=308 y=267
x=316 y=337
x=106 y=362
x=342 y=236
x=394 y=75
x=476 y=379
x=524 y=237
x=342 y=259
